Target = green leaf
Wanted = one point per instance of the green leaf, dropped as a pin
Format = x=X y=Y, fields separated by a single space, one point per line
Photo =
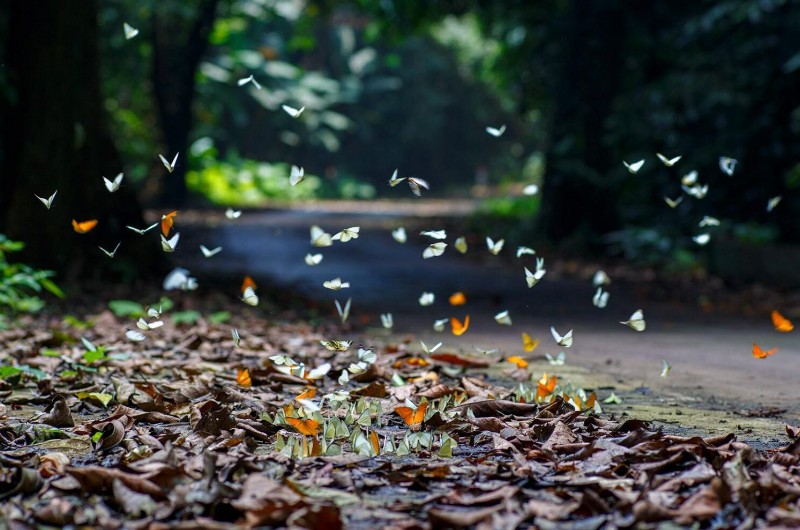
x=96 y=436
x=93 y=356
x=76 y=323
x=9 y=371
x=190 y=316
x=219 y=317
x=101 y=397
x=52 y=288
x=126 y=308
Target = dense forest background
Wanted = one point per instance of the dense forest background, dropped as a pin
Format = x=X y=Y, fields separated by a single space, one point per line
x=581 y=86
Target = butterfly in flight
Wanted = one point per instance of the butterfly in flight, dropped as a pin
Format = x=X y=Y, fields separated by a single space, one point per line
x=293 y=112
x=496 y=132
x=433 y=250
x=47 y=202
x=636 y=321
x=113 y=185
x=296 y=175
x=758 y=353
x=130 y=31
x=564 y=341
x=141 y=231
x=669 y=162
x=416 y=185
x=503 y=318
x=210 y=252
x=249 y=79
x=83 y=226
x=111 y=253
x=727 y=165
x=781 y=323
x=634 y=167
x=457 y=327
x=347 y=234
x=167 y=164
x=168 y=245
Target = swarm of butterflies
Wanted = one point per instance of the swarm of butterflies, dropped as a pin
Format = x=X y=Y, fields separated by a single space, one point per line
x=305 y=416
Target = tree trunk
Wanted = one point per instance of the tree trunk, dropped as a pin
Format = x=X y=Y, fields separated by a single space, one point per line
x=55 y=137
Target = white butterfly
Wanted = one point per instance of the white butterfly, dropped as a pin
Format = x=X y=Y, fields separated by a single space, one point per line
x=343 y=313
x=565 y=341
x=335 y=284
x=708 y=221
x=250 y=297
x=485 y=351
x=282 y=360
x=152 y=312
x=293 y=112
x=533 y=277
x=170 y=166
x=147 y=326
x=433 y=250
x=702 y=239
x=600 y=278
x=416 y=184
x=110 y=254
x=336 y=345
x=143 y=230
x=168 y=245
x=430 y=350
x=634 y=167
x=367 y=355
x=727 y=165
x=135 y=335
x=319 y=237
x=230 y=213
x=600 y=298
x=179 y=279
x=496 y=132
x=503 y=318
x=209 y=253
x=461 y=244
x=130 y=31
x=235 y=337
x=669 y=162
x=395 y=180
x=399 y=235
x=347 y=234
x=113 y=186
x=673 y=203
x=689 y=179
x=47 y=202
x=435 y=234
x=530 y=190
x=697 y=191
x=439 y=325
x=250 y=79
x=306 y=405
x=426 y=299
x=495 y=247
x=522 y=251
x=316 y=373
x=665 y=368
x=313 y=259
x=636 y=321
x=773 y=202
x=558 y=360
x=387 y=321
x=344 y=378
x=297 y=175
x=357 y=368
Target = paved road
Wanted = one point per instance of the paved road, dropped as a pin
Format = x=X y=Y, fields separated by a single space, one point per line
x=710 y=354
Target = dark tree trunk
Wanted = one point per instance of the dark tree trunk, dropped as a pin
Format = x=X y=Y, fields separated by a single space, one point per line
x=55 y=137
x=177 y=53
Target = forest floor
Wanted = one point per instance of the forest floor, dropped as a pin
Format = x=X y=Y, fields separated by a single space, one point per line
x=190 y=428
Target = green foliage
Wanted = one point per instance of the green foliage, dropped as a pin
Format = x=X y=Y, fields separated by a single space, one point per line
x=219 y=317
x=126 y=308
x=189 y=317
x=19 y=283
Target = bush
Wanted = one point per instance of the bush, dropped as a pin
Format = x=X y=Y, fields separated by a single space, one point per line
x=20 y=283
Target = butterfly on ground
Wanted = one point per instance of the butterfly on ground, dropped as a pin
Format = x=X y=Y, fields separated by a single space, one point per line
x=243 y=377
x=83 y=226
x=633 y=167
x=496 y=132
x=167 y=164
x=781 y=323
x=416 y=185
x=669 y=162
x=113 y=185
x=47 y=202
x=347 y=234
x=142 y=231
x=412 y=415
x=564 y=341
x=293 y=112
x=130 y=31
x=179 y=279
x=336 y=345
x=168 y=245
x=111 y=253
x=249 y=79
x=297 y=175
x=758 y=353
x=306 y=427
x=458 y=327
x=636 y=321
x=727 y=165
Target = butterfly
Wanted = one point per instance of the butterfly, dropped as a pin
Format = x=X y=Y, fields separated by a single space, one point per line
x=209 y=253
x=168 y=245
x=525 y=251
x=485 y=351
x=458 y=298
x=230 y=213
x=416 y=184
x=669 y=162
x=235 y=337
x=130 y=31
x=426 y=299
x=399 y=235
x=83 y=226
x=343 y=313
x=690 y=178
x=386 y=320
x=142 y=231
x=636 y=321
x=697 y=191
x=335 y=284
x=438 y=325
x=530 y=190
x=347 y=234
x=167 y=222
x=337 y=345
x=708 y=221
x=727 y=165
x=249 y=296
x=430 y=350
x=461 y=244
x=435 y=234
x=412 y=415
x=600 y=278
x=773 y=202
x=344 y=377
x=147 y=326
x=169 y=165
x=518 y=361
x=433 y=250
x=110 y=254
x=665 y=368
x=113 y=186
x=319 y=372
x=781 y=323
x=243 y=377
x=565 y=341
x=758 y=353
x=306 y=427
x=533 y=277
x=282 y=360
x=394 y=180
x=495 y=246
x=293 y=112
x=503 y=318
x=47 y=202
x=313 y=259
x=358 y=368
x=702 y=239
x=249 y=79
x=673 y=203
x=634 y=167
x=457 y=327
x=135 y=335
x=297 y=175
x=558 y=360
x=529 y=344
x=367 y=355
x=179 y=279
x=497 y=133
x=319 y=237
x=153 y=312
x=600 y=298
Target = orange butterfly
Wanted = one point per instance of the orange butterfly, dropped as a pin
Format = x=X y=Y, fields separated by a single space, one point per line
x=781 y=323
x=458 y=327
x=411 y=416
x=167 y=220
x=243 y=377
x=545 y=386
x=307 y=427
x=309 y=393
x=458 y=298
x=758 y=353
x=519 y=361
x=373 y=439
x=528 y=343
x=248 y=282
x=83 y=226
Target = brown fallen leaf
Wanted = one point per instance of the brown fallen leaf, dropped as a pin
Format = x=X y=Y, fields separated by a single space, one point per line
x=59 y=414
x=459 y=360
x=132 y=503
x=497 y=407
